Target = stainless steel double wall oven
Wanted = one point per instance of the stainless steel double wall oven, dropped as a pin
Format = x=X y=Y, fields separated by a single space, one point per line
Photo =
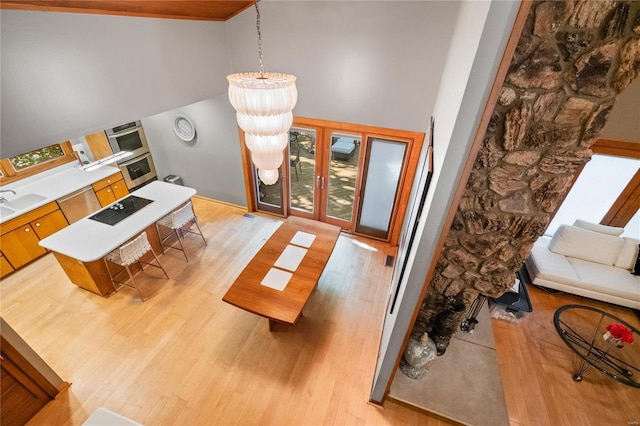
x=138 y=169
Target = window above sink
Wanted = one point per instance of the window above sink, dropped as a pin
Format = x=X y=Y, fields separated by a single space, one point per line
x=29 y=164
x=38 y=156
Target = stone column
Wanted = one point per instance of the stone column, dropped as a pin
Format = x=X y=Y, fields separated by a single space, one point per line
x=572 y=60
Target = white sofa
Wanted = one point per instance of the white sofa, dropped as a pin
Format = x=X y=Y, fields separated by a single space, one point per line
x=589 y=260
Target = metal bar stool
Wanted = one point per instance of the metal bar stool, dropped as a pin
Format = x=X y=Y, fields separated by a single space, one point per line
x=128 y=254
x=175 y=221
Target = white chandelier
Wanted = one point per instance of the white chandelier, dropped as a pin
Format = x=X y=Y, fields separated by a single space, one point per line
x=263 y=104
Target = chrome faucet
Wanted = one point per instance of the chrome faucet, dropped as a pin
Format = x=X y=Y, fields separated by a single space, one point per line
x=2 y=199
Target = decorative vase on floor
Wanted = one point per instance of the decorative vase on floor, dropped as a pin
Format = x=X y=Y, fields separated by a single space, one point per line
x=418 y=356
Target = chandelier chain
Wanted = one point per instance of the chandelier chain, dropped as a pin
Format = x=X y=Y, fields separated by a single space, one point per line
x=259 y=39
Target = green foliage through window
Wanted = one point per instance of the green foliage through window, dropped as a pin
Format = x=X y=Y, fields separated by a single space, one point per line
x=42 y=155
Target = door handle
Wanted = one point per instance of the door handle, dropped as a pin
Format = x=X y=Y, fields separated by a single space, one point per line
x=320 y=182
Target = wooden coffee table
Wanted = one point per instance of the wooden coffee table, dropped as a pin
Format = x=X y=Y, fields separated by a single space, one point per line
x=582 y=328
x=284 y=306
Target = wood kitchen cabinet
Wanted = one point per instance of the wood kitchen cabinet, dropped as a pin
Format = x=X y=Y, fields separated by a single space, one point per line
x=5 y=266
x=20 y=236
x=21 y=246
x=49 y=224
x=110 y=189
x=99 y=145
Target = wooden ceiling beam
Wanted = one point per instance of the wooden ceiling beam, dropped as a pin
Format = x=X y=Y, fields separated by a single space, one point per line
x=208 y=10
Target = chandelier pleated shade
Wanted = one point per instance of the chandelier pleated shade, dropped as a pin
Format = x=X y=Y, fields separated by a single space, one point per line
x=263 y=104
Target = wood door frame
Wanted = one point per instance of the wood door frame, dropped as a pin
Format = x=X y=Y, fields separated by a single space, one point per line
x=626 y=205
x=628 y=202
x=250 y=183
x=323 y=128
x=617 y=148
x=328 y=131
x=318 y=164
x=18 y=361
x=399 y=185
x=412 y=156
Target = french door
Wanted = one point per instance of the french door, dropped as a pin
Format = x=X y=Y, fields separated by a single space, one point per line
x=356 y=177
x=323 y=174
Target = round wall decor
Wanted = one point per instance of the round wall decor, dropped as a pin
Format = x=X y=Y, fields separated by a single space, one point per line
x=184 y=128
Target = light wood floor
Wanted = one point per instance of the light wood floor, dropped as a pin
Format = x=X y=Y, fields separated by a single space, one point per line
x=184 y=357
x=536 y=369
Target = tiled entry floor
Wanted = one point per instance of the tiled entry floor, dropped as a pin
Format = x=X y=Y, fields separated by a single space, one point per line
x=464 y=384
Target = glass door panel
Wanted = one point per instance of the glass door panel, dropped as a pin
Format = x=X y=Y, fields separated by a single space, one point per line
x=302 y=169
x=269 y=196
x=384 y=164
x=343 y=175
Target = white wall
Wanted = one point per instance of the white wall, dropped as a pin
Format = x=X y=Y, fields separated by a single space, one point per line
x=368 y=62
x=211 y=163
x=467 y=78
x=64 y=75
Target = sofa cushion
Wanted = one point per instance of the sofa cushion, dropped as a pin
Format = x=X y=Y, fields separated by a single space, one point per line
x=550 y=266
x=584 y=244
x=343 y=146
x=596 y=227
x=606 y=279
x=628 y=254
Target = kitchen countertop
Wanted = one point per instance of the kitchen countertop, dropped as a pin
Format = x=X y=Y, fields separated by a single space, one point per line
x=88 y=240
x=53 y=185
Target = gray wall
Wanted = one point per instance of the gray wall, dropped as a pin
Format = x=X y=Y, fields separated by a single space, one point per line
x=211 y=163
x=375 y=63
x=352 y=64
x=368 y=62
x=64 y=75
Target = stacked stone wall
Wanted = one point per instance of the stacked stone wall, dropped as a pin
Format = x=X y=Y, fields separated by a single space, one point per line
x=572 y=60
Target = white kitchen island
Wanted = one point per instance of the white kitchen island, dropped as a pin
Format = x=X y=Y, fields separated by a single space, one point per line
x=81 y=247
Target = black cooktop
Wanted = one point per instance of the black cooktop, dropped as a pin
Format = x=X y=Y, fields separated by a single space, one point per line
x=121 y=210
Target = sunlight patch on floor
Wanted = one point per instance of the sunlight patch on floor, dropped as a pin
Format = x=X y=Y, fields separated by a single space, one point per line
x=364 y=245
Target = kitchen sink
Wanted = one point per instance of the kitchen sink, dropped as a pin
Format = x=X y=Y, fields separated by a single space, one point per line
x=22 y=202
x=6 y=211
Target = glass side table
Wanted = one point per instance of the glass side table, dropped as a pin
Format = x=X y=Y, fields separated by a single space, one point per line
x=584 y=330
